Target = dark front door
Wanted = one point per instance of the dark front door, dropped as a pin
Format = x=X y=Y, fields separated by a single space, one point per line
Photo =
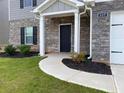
x=65 y=38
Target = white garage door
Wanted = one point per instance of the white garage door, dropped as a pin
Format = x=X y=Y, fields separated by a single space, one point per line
x=117 y=38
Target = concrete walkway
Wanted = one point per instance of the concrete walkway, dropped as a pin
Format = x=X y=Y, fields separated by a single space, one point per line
x=54 y=67
x=118 y=73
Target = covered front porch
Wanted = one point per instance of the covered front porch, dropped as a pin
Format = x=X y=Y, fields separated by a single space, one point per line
x=63 y=28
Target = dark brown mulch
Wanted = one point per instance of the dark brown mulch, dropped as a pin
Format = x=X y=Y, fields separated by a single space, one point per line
x=18 y=55
x=92 y=67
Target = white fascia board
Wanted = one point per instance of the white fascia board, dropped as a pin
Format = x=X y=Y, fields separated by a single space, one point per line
x=43 y=6
x=78 y=3
x=36 y=9
x=97 y=1
x=60 y=12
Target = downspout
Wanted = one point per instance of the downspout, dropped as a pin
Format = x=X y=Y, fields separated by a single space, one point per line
x=88 y=8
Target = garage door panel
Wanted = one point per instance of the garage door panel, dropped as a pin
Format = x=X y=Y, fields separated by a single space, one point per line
x=117 y=38
x=117 y=44
x=117 y=32
x=116 y=58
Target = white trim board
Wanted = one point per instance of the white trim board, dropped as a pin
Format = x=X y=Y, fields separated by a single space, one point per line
x=60 y=12
x=97 y=1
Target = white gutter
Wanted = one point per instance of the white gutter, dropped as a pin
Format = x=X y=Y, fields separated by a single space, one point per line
x=88 y=8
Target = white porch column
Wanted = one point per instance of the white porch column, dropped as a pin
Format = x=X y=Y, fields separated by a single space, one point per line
x=77 y=33
x=42 y=36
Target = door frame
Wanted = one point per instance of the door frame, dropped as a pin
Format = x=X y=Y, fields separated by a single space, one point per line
x=60 y=33
x=110 y=37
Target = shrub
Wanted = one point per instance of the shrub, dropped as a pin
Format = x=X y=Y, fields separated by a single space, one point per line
x=10 y=49
x=24 y=49
x=74 y=56
x=78 y=57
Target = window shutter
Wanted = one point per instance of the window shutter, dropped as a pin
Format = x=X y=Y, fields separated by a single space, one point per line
x=34 y=3
x=21 y=4
x=22 y=35
x=35 y=35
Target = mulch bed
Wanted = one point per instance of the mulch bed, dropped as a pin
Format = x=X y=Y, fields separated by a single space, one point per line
x=92 y=67
x=18 y=55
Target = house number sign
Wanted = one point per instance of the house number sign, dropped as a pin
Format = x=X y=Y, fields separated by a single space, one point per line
x=102 y=14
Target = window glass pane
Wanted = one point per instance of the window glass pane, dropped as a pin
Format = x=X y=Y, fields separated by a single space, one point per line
x=28 y=3
x=29 y=31
x=29 y=39
x=29 y=35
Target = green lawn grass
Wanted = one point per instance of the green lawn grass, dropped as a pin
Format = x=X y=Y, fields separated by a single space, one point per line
x=22 y=75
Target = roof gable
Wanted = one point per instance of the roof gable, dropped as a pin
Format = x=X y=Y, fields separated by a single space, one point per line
x=58 y=6
x=46 y=4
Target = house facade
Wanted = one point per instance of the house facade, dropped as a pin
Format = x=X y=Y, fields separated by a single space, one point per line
x=68 y=26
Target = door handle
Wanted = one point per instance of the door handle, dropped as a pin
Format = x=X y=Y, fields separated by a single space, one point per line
x=116 y=52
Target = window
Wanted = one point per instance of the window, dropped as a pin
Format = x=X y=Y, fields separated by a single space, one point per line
x=29 y=35
x=27 y=3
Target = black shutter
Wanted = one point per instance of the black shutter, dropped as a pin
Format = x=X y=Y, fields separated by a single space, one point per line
x=34 y=3
x=22 y=35
x=35 y=35
x=21 y=4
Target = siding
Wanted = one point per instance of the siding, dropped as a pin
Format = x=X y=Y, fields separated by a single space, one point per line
x=15 y=13
x=4 y=24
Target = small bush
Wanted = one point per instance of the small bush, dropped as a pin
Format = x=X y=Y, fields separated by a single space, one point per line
x=24 y=49
x=10 y=49
x=78 y=57
x=74 y=56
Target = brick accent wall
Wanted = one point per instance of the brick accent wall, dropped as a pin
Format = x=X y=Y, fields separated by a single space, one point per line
x=85 y=35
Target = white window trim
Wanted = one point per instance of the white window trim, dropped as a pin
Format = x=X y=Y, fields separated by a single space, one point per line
x=26 y=36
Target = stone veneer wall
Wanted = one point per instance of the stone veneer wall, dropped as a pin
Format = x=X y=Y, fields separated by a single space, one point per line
x=101 y=29
x=85 y=35
x=52 y=33
x=15 y=33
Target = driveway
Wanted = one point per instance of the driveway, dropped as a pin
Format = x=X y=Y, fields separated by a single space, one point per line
x=118 y=73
